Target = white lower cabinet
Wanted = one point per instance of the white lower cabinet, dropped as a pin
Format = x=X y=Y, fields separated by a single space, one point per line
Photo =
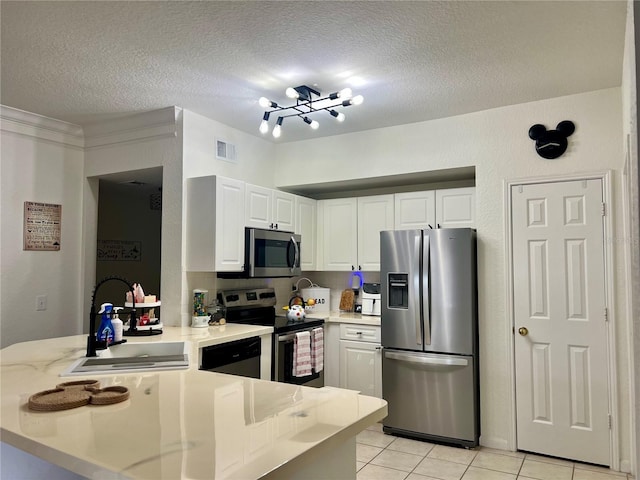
x=332 y=354
x=361 y=359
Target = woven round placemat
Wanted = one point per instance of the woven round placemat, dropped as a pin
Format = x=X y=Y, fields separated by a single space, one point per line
x=108 y=395
x=77 y=394
x=59 y=399
x=81 y=384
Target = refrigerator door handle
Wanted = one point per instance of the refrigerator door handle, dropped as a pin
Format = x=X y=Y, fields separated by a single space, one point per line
x=426 y=289
x=406 y=357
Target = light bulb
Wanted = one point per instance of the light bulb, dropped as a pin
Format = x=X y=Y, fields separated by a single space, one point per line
x=345 y=93
x=357 y=100
x=291 y=93
x=338 y=116
x=264 y=127
x=277 y=130
x=314 y=124
x=264 y=102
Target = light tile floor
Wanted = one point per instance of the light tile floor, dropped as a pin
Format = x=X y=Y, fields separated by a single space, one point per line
x=386 y=457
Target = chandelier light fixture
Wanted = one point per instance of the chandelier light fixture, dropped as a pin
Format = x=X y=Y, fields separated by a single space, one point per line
x=306 y=105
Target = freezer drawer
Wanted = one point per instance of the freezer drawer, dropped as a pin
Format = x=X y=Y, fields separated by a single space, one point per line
x=431 y=396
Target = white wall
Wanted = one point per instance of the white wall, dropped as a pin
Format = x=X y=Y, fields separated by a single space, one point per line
x=496 y=143
x=42 y=161
x=255 y=156
x=255 y=164
x=632 y=207
x=138 y=142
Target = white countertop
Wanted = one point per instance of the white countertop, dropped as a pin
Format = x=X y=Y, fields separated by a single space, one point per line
x=176 y=424
x=349 y=317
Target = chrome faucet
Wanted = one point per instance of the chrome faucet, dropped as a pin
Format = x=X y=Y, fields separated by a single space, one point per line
x=92 y=342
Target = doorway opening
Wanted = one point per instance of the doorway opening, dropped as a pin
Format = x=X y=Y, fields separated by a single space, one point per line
x=129 y=232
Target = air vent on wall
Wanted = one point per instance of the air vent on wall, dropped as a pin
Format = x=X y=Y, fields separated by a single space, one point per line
x=225 y=151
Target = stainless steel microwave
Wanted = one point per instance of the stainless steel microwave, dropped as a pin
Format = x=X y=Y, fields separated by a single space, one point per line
x=271 y=253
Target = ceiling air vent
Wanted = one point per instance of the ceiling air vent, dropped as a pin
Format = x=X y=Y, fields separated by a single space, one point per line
x=225 y=151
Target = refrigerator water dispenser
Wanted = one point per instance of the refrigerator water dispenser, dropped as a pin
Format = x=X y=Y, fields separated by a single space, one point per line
x=398 y=285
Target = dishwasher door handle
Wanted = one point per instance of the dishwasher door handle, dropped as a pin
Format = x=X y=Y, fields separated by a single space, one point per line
x=404 y=357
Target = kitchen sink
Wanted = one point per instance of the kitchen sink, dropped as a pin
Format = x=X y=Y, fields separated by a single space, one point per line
x=134 y=357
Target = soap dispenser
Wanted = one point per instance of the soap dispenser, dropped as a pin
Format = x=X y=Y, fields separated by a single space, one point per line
x=105 y=331
x=117 y=325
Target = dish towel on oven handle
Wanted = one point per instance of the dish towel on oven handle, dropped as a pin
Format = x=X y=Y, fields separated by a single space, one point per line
x=302 y=354
x=317 y=349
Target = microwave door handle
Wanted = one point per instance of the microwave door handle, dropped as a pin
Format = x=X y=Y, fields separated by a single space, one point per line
x=296 y=258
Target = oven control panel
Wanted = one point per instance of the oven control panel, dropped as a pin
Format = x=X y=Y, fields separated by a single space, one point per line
x=255 y=297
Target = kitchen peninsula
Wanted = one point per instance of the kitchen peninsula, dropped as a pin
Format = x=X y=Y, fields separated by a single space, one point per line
x=183 y=423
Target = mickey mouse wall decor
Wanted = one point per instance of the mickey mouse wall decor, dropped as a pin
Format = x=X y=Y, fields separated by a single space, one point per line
x=551 y=144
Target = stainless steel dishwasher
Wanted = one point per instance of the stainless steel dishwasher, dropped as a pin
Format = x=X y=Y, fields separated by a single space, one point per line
x=240 y=357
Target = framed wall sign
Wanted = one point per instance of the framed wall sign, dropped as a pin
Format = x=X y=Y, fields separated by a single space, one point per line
x=42 y=226
x=119 y=250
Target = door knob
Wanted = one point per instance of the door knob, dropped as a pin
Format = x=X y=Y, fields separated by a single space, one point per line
x=523 y=331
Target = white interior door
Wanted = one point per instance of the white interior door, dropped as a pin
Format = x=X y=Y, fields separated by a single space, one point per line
x=560 y=320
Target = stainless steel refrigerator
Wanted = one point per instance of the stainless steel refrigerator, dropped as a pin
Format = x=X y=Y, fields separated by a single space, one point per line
x=429 y=324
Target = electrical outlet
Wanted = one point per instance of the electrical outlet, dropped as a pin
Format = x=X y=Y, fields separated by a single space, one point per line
x=41 y=302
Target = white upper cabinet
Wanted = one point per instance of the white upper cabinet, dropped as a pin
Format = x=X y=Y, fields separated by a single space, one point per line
x=339 y=233
x=306 y=226
x=375 y=214
x=456 y=208
x=447 y=208
x=258 y=206
x=415 y=210
x=215 y=224
x=269 y=209
x=284 y=211
x=351 y=231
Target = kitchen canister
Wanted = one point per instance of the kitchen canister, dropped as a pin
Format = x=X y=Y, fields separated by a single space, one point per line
x=200 y=316
x=321 y=297
x=319 y=294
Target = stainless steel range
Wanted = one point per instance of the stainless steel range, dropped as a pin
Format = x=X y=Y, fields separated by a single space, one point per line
x=257 y=307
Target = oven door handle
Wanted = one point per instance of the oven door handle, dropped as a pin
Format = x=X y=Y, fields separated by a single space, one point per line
x=286 y=338
x=291 y=336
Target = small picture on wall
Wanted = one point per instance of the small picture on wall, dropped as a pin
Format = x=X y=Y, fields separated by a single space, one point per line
x=119 y=250
x=42 y=226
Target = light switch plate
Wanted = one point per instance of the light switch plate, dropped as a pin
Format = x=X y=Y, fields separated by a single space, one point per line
x=41 y=302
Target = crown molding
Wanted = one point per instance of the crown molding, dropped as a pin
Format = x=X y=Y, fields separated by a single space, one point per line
x=29 y=124
x=133 y=128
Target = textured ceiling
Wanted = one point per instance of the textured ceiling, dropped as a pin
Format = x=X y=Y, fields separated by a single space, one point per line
x=88 y=61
